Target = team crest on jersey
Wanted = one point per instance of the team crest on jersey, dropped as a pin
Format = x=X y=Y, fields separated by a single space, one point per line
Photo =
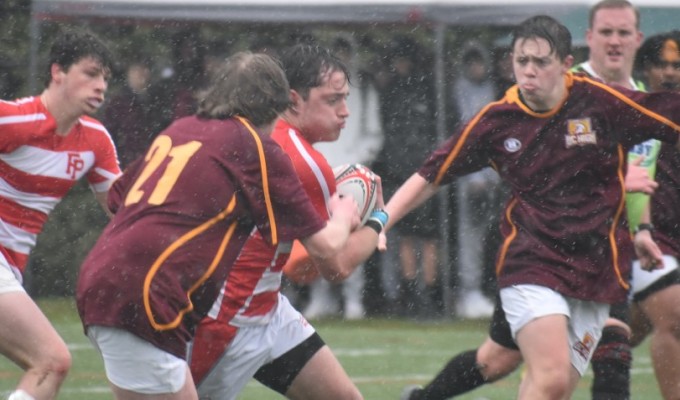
x=580 y=133
x=512 y=145
x=585 y=346
x=74 y=165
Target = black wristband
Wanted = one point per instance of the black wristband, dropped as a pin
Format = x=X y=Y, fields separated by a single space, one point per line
x=644 y=227
x=375 y=225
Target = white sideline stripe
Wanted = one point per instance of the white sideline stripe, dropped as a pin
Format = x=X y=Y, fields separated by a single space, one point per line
x=80 y=346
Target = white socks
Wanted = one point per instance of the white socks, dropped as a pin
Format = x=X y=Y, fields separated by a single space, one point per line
x=20 y=395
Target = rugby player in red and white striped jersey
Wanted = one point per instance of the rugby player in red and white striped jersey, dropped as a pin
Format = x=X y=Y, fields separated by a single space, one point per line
x=47 y=143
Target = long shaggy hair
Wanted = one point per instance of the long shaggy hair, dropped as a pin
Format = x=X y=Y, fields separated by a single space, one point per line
x=249 y=85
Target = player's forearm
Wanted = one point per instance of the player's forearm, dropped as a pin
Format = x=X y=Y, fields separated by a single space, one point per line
x=414 y=192
x=360 y=246
x=328 y=242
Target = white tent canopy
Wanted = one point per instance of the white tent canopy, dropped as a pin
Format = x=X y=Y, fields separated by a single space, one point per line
x=656 y=15
x=465 y=12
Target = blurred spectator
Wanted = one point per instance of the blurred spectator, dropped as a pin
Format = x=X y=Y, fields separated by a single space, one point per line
x=10 y=83
x=476 y=194
x=174 y=95
x=264 y=44
x=127 y=114
x=658 y=61
x=407 y=112
x=503 y=76
x=359 y=142
x=216 y=54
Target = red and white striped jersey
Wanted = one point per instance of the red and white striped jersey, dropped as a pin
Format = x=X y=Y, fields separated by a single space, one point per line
x=251 y=291
x=38 y=167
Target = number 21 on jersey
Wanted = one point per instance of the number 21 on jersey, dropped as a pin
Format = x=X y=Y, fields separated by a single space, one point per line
x=160 y=150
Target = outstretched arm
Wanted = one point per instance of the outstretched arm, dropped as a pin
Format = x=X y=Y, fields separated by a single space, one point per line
x=411 y=194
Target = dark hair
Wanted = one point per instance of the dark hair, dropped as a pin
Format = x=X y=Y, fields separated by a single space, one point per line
x=306 y=65
x=250 y=85
x=547 y=28
x=72 y=46
x=651 y=51
x=608 y=4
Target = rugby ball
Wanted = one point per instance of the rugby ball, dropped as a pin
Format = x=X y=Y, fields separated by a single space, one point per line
x=358 y=181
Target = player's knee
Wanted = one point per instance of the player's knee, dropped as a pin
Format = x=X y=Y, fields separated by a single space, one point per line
x=552 y=383
x=495 y=361
x=495 y=368
x=558 y=385
x=58 y=363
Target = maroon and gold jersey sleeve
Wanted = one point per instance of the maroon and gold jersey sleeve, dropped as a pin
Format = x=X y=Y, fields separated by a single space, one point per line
x=635 y=116
x=464 y=152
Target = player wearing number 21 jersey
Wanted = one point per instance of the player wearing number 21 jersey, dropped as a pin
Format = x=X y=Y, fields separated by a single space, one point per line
x=183 y=214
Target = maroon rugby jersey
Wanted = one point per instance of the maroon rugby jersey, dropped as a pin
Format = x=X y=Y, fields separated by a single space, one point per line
x=564 y=226
x=183 y=214
x=665 y=210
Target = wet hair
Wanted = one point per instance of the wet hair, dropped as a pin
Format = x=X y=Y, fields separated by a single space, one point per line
x=307 y=65
x=74 y=45
x=651 y=53
x=609 y=4
x=250 y=85
x=547 y=28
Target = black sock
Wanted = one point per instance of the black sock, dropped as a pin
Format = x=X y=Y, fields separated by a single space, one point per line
x=460 y=375
x=611 y=365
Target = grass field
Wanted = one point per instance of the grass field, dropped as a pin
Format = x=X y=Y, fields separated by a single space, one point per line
x=381 y=356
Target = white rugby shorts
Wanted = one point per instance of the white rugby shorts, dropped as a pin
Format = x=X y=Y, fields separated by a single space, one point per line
x=585 y=319
x=643 y=279
x=9 y=282
x=136 y=365
x=253 y=347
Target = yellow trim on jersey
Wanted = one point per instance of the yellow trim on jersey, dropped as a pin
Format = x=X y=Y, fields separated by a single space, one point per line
x=513 y=96
x=174 y=246
x=630 y=102
x=617 y=217
x=456 y=149
x=265 y=180
x=509 y=239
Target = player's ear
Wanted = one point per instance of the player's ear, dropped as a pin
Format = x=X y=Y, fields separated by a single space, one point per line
x=55 y=71
x=568 y=62
x=295 y=100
